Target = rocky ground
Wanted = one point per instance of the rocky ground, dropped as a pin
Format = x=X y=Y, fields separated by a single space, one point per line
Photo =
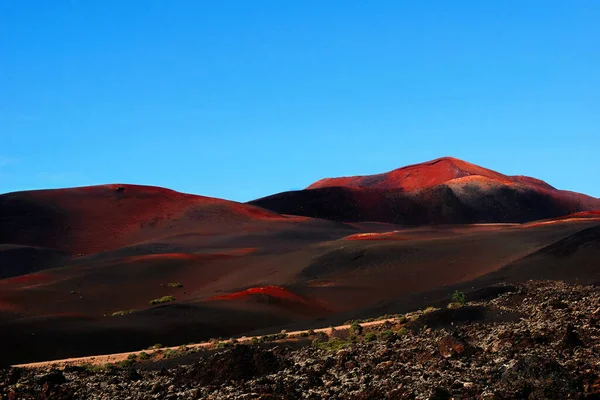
x=536 y=340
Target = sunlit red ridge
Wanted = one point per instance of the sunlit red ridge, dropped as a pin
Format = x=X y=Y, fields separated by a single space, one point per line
x=427 y=174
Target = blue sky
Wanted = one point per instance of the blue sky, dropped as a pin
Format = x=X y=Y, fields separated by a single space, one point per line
x=241 y=99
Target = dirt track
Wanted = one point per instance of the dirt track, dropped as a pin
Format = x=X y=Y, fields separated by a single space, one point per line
x=114 y=358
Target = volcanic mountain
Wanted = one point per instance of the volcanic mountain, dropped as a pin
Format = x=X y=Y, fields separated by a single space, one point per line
x=441 y=191
x=111 y=268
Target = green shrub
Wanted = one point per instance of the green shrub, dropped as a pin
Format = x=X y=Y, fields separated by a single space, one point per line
x=175 y=285
x=255 y=340
x=144 y=356
x=170 y=353
x=156 y=346
x=132 y=357
x=320 y=337
x=334 y=344
x=459 y=298
x=164 y=299
x=402 y=319
x=311 y=332
x=92 y=368
x=125 y=363
x=388 y=335
x=429 y=310
x=356 y=328
x=401 y=332
x=370 y=337
x=274 y=336
x=304 y=334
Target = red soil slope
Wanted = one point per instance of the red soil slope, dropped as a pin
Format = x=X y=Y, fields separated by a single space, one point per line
x=99 y=218
x=424 y=175
x=276 y=295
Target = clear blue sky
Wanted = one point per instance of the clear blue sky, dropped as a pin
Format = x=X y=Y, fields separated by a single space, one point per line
x=241 y=99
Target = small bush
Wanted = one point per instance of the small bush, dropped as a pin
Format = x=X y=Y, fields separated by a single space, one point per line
x=402 y=319
x=156 y=346
x=170 y=353
x=144 y=356
x=92 y=368
x=388 y=335
x=274 y=336
x=459 y=298
x=164 y=299
x=429 y=310
x=304 y=334
x=370 y=337
x=125 y=363
x=334 y=344
x=356 y=328
x=175 y=285
x=255 y=340
x=311 y=332
x=132 y=356
x=320 y=337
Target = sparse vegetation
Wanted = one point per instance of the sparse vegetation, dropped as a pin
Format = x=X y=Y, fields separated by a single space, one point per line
x=143 y=356
x=161 y=300
x=171 y=353
x=156 y=346
x=123 y=312
x=370 y=337
x=92 y=368
x=333 y=344
x=125 y=363
x=388 y=335
x=175 y=285
x=274 y=336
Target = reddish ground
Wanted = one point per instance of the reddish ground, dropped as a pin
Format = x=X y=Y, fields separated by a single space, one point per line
x=376 y=236
x=117 y=247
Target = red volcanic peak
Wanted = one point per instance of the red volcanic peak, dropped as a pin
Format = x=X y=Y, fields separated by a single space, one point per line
x=424 y=175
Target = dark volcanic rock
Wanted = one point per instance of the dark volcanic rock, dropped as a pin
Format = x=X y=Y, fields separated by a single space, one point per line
x=541 y=351
x=238 y=363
